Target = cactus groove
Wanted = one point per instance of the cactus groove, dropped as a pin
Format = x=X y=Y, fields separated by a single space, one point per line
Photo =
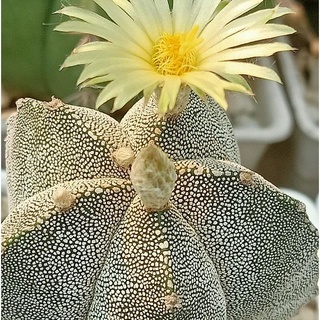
x=80 y=244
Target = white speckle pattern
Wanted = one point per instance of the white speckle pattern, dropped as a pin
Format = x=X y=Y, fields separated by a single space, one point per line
x=230 y=246
x=201 y=130
x=264 y=252
x=153 y=256
x=46 y=147
x=50 y=270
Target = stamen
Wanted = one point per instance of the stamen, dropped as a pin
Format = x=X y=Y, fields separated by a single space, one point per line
x=175 y=54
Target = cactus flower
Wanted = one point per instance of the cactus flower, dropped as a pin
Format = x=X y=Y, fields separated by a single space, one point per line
x=195 y=44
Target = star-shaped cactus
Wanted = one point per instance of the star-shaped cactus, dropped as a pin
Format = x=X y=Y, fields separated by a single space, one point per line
x=149 y=218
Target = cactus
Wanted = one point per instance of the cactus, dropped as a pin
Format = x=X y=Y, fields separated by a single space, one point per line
x=85 y=244
x=152 y=217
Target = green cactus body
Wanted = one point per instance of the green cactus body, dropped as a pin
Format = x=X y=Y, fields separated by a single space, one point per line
x=69 y=143
x=177 y=136
x=82 y=244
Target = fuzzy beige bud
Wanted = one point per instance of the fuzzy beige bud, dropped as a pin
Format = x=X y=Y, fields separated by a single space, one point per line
x=124 y=157
x=54 y=104
x=172 y=301
x=246 y=178
x=153 y=177
x=63 y=199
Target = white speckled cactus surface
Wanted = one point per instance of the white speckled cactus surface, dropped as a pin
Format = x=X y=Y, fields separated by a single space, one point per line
x=152 y=218
x=80 y=244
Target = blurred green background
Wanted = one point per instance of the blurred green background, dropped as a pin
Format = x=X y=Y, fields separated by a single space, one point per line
x=32 y=52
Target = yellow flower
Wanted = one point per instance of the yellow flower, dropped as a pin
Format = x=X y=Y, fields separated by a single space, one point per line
x=195 y=43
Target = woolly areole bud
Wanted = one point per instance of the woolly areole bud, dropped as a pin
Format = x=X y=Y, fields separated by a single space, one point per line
x=124 y=157
x=63 y=198
x=153 y=177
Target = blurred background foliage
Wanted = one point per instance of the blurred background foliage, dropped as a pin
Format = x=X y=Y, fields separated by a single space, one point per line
x=32 y=53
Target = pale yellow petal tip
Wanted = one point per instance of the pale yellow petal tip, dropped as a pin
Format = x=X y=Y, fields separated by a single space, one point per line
x=99 y=102
x=59 y=28
x=58 y=11
x=98 y=105
x=285 y=10
x=275 y=77
x=162 y=109
x=116 y=106
x=224 y=104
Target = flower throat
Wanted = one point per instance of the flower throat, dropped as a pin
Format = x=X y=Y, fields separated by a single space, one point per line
x=175 y=54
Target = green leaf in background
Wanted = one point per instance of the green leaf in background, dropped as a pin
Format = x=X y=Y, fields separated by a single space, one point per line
x=32 y=53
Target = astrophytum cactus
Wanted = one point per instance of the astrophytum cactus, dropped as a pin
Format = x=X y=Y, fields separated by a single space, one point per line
x=153 y=217
x=149 y=218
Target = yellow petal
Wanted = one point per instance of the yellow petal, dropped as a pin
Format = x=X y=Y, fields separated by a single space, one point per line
x=245 y=52
x=94 y=24
x=231 y=11
x=124 y=89
x=254 y=19
x=126 y=23
x=85 y=15
x=165 y=15
x=249 y=35
x=149 y=17
x=114 y=34
x=236 y=78
x=169 y=93
x=96 y=80
x=103 y=56
x=92 y=46
x=148 y=91
x=203 y=16
x=209 y=83
x=181 y=10
x=85 y=27
x=122 y=64
x=82 y=58
x=132 y=90
x=246 y=68
x=126 y=6
x=95 y=69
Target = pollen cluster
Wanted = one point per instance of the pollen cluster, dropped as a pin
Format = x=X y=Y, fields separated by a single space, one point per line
x=175 y=54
